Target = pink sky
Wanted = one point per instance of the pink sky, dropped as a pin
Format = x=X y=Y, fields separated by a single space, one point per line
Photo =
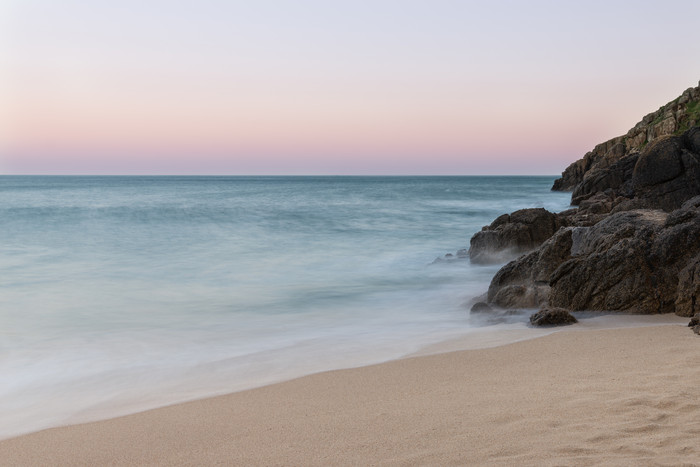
x=383 y=87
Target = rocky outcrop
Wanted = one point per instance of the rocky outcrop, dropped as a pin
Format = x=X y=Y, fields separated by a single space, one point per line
x=610 y=268
x=643 y=261
x=632 y=244
x=673 y=118
x=550 y=316
x=662 y=176
x=688 y=294
x=513 y=234
x=694 y=323
x=524 y=282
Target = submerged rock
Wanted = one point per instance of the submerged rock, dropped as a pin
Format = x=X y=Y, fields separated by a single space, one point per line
x=551 y=316
x=481 y=307
x=512 y=234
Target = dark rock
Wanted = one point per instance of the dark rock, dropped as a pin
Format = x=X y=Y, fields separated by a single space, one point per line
x=611 y=268
x=580 y=217
x=550 y=316
x=692 y=139
x=481 y=307
x=639 y=261
x=635 y=261
x=688 y=295
x=511 y=235
x=524 y=282
x=666 y=174
x=662 y=176
x=696 y=329
x=660 y=162
x=694 y=321
x=591 y=170
x=633 y=243
x=601 y=179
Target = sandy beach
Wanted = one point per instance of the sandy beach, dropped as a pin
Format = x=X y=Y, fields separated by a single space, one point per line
x=624 y=396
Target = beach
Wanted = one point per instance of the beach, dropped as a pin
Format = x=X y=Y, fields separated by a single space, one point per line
x=580 y=396
x=151 y=291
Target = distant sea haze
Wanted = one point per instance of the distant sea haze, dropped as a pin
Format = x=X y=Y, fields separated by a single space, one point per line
x=124 y=293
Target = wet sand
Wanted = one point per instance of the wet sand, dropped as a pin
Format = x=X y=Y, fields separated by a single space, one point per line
x=625 y=396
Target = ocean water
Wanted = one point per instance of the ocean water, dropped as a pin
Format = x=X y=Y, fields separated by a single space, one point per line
x=119 y=294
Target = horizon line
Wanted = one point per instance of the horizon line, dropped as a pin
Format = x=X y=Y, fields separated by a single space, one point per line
x=271 y=175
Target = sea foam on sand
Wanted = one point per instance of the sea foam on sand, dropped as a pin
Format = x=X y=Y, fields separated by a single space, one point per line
x=581 y=396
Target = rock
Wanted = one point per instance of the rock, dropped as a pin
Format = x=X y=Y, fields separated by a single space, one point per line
x=696 y=329
x=511 y=235
x=550 y=316
x=662 y=176
x=635 y=261
x=611 y=269
x=449 y=257
x=599 y=180
x=667 y=173
x=524 y=282
x=695 y=320
x=580 y=217
x=671 y=119
x=481 y=307
x=632 y=244
x=688 y=295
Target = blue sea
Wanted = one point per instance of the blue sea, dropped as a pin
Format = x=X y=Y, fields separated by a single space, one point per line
x=119 y=294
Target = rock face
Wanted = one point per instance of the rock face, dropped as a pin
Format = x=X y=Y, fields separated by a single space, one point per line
x=632 y=244
x=643 y=261
x=673 y=118
x=524 y=282
x=512 y=234
x=664 y=175
x=610 y=268
x=688 y=294
x=550 y=316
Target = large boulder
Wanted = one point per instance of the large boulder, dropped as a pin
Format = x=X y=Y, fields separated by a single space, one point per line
x=551 y=316
x=662 y=176
x=512 y=234
x=642 y=261
x=609 y=267
x=634 y=261
x=524 y=282
x=667 y=172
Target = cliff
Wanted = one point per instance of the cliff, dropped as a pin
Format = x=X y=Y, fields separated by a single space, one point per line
x=674 y=118
x=632 y=244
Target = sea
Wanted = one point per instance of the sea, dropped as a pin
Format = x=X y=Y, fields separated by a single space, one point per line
x=124 y=293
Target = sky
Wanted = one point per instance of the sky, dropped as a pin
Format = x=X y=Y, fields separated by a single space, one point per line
x=434 y=87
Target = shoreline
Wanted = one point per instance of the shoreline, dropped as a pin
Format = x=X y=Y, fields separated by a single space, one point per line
x=388 y=412
x=473 y=337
